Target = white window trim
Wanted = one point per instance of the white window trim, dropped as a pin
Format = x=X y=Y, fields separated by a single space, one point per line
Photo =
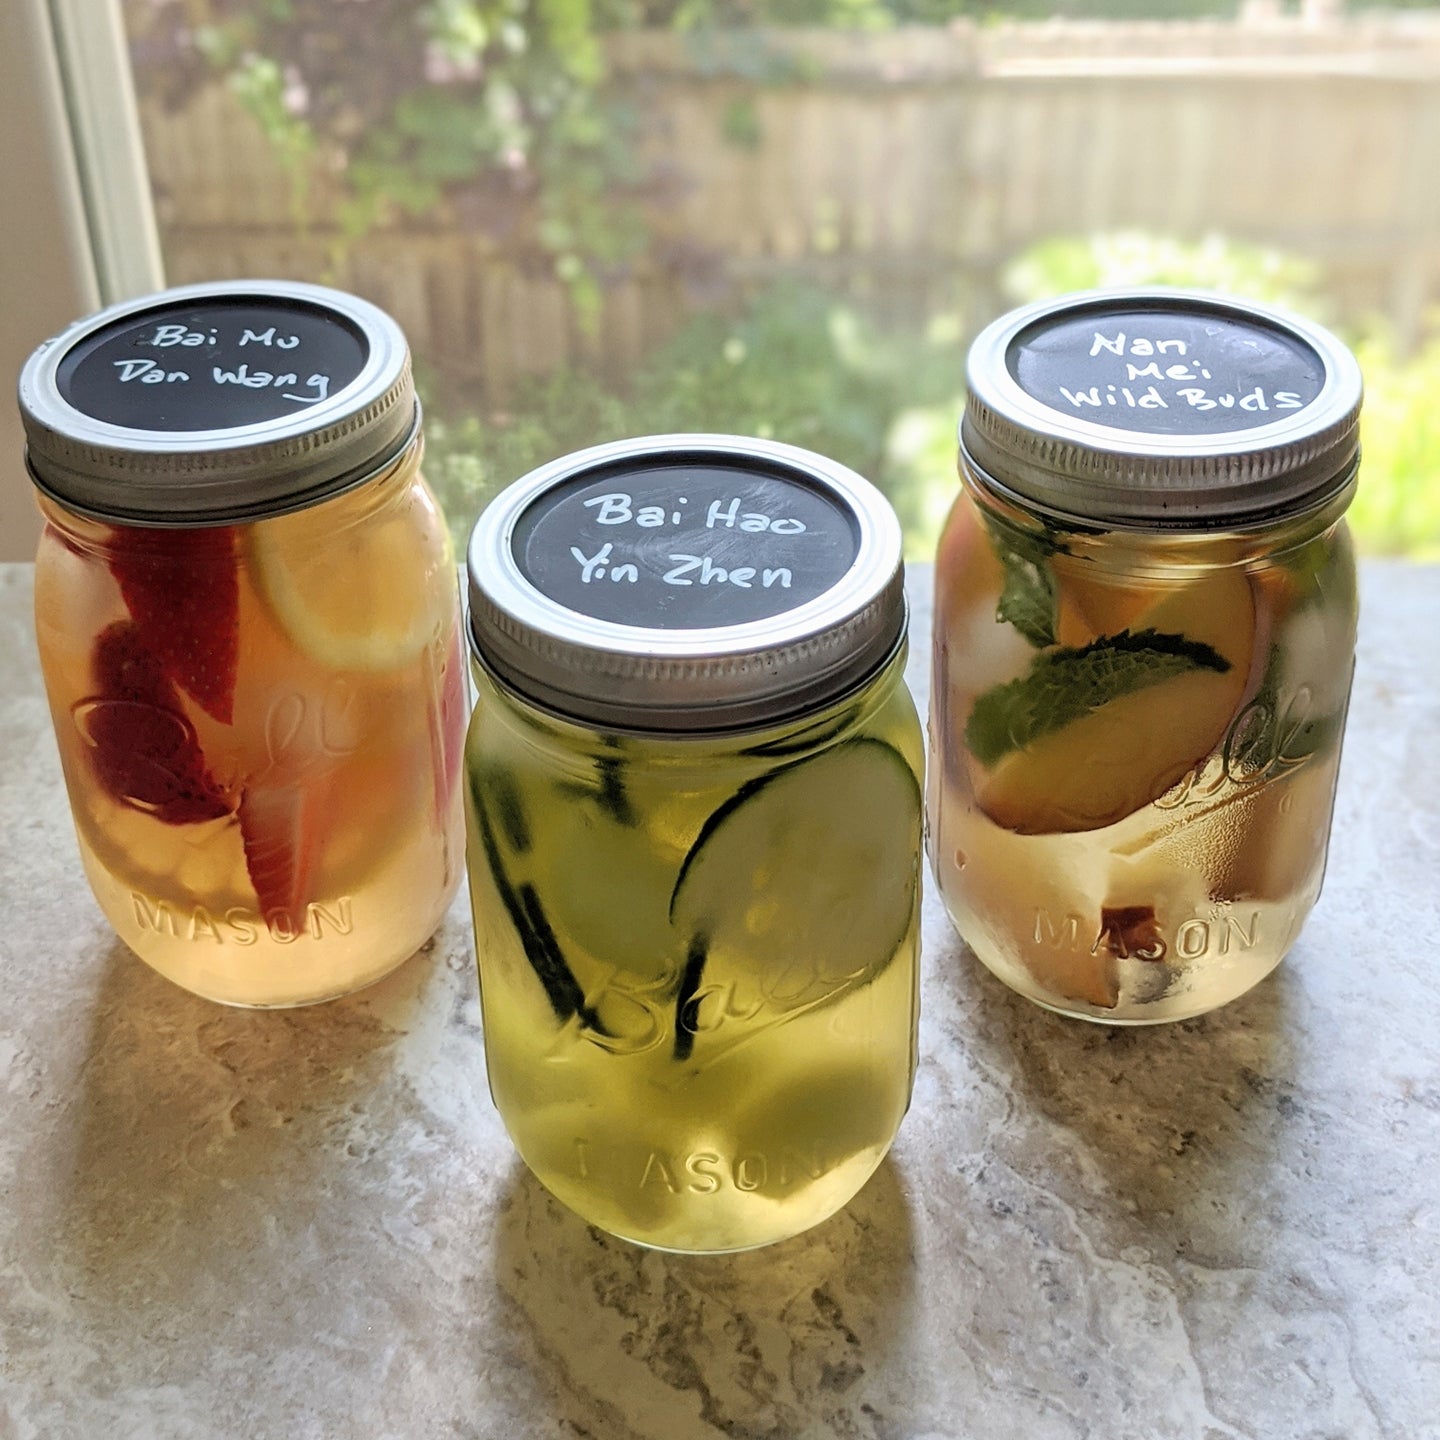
x=99 y=95
x=77 y=230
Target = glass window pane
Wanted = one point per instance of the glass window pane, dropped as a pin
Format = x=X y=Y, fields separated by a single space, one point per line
x=605 y=217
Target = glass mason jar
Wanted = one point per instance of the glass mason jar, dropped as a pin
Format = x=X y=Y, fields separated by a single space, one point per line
x=1144 y=635
x=248 y=623
x=694 y=826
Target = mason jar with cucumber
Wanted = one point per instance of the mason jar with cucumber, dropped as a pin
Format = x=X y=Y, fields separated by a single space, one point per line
x=694 y=815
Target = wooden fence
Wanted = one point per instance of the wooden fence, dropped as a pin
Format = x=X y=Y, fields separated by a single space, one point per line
x=905 y=167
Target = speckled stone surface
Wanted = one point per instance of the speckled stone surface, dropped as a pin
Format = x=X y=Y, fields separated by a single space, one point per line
x=280 y=1226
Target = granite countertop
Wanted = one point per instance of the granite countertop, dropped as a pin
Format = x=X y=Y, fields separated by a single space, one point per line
x=220 y=1223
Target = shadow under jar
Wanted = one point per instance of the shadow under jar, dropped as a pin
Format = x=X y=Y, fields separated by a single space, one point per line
x=694 y=826
x=248 y=623
x=1145 y=616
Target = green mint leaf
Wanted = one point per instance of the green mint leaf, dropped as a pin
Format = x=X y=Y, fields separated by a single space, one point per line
x=1063 y=686
x=1029 y=600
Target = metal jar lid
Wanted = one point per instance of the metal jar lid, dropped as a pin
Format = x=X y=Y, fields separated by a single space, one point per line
x=1162 y=407
x=686 y=583
x=208 y=404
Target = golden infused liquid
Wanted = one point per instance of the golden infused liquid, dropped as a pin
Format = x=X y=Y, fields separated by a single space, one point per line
x=1151 y=851
x=1196 y=909
x=699 y=1020
x=329 y=839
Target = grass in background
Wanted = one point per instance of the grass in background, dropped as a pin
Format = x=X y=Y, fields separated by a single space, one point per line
x=797 y=366
x=1397 y=507
x=801 y=366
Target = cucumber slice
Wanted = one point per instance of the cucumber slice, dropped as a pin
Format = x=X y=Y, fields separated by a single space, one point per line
x=609 y=787
x=527 y=914
x=687 y=1006
x=808 y=738
x=613 y=796
x=509 y=809
x=607 y=888
x=800 y=887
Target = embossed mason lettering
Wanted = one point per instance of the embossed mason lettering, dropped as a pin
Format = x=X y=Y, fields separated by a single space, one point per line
x=708 y=1172
x=1062 y=935
x=1190 y=939
x=239 y=926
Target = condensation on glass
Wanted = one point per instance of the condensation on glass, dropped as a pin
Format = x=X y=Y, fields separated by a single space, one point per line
x=694 y=824
x=1144 y=635
x=248 y=622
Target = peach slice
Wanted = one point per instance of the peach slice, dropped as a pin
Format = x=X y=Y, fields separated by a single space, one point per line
x=1094 y=771
x=1072 y=968
x=1092 y=604
x=968 y=577
x=1285 y=836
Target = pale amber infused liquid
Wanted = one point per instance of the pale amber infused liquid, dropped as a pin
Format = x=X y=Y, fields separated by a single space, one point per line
x=734 y=1050
x=344 y=742
x=1156 y=854
x=1223 y=915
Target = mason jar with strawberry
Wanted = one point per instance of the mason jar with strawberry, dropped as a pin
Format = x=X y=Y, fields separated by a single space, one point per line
x=248 y=621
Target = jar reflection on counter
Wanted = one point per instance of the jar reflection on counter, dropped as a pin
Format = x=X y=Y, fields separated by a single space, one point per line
x=1141 y=671
x=254 y=668
x=696 y=915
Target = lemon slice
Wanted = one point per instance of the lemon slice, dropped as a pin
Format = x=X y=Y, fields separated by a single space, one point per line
x=365 y=595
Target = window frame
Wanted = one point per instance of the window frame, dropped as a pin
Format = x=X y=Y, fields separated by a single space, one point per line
x=79 y=229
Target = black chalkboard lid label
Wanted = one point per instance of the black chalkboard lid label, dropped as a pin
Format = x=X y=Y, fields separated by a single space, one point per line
x=1162 y=406
x=685 y=582
x=205 y=404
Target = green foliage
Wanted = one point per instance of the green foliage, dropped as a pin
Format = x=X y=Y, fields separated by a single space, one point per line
x=495 y=115
x=470 y=459
x=1397 y=506
x=797 y=366
x=262 y=87
x=801 y=366
x=880 y=14
x=482 y=114
x=1135 y=257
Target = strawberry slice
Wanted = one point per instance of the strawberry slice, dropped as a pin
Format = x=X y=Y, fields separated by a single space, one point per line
x=282 y=847
x=182 y=590
x=144 y=750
